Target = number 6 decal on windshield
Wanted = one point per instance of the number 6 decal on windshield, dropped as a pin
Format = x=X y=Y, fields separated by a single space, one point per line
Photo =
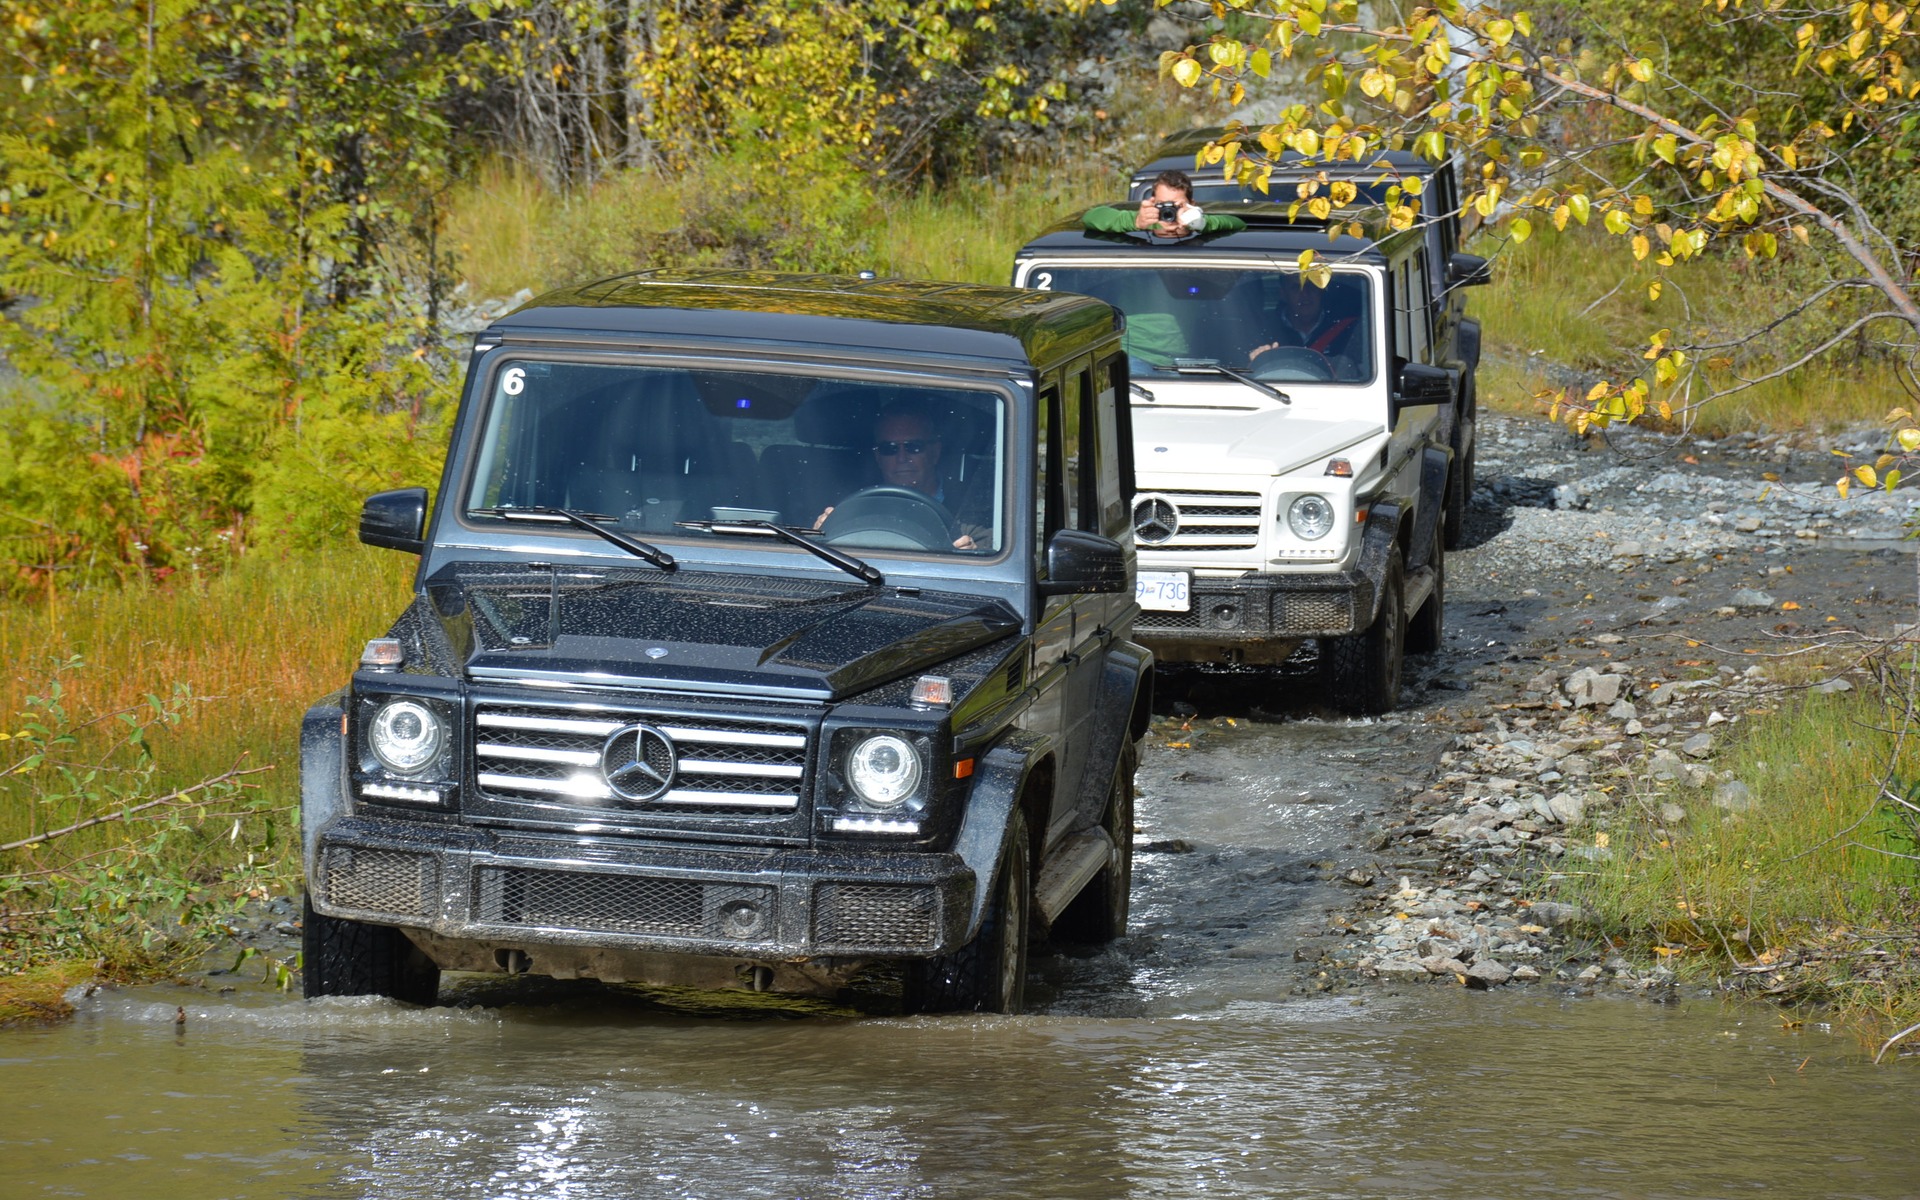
x=513 y=381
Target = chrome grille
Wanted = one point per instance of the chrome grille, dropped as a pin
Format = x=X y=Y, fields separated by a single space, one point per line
x=384 y=881
x=526 y=753
x=1214 y=521
x=868 y=914
x=622 y=903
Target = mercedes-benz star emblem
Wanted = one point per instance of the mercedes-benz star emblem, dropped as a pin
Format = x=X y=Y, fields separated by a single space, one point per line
x=1155 y=520
x=639 y=762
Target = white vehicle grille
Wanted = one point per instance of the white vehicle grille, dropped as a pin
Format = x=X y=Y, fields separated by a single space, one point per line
x=1207 y=521
x=721 y=764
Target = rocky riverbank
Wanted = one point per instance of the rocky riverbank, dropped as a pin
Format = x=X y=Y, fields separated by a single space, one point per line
x=1623 y=607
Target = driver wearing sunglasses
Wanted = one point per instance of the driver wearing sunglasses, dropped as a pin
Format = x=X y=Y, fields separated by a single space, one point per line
x=906 y=452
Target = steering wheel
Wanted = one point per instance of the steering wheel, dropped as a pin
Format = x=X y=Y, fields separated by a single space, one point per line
x=1297 y=363
x=891 y=518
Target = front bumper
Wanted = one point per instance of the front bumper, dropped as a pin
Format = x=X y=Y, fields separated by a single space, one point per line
x=1265 y=607
x=509 y=888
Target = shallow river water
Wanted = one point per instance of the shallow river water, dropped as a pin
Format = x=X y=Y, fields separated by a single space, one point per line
x=1180 y=1064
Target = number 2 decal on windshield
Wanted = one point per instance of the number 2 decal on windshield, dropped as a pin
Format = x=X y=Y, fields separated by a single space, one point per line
x=513 y=381
x=1043 y=281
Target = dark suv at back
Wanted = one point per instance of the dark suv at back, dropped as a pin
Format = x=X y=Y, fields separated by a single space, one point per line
x=769 y=632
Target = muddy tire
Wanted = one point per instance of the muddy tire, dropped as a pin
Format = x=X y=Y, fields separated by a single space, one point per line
x=988 y=974
x=1363 y=669
x=1098 y=915
x=339 y=957
x=1428 y=627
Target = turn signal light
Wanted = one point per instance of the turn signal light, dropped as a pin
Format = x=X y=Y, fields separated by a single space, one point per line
x=931 y=691
x=1340 y=467
x=383 y=654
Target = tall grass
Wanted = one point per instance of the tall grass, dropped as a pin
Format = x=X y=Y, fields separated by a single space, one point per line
x=511 y=231
x=1816 y=857
x=1577 y=300
x=256 y=645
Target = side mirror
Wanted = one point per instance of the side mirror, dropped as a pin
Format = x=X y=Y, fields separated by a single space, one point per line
x=396 y=520
x=1468 y=270
x=1080 y=563
x=1422 y=385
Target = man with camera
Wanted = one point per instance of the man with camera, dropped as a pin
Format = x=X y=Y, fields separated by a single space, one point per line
x=1167 y=213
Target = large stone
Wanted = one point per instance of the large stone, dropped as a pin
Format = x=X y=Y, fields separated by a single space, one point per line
x=1733 y=796
x=1567 y=808
x=1487 y=973
x=1588 y=688
x=1664 y=764
x=1553 y=912
x=1698 y=746
x=1752 y=598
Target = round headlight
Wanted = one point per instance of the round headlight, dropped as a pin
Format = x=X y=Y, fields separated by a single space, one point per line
x=405 y=735
x=884 y=770
x=1310 y=518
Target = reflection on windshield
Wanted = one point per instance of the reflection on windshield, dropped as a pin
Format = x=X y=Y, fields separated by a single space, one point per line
x=1269 y=324
x=1280 y=189
x=653 y=449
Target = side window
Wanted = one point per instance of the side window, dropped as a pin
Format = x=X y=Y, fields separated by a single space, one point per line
x=1050 y=504
x=1418 y=310
x=1073 y=444
x=1107 y=507
x=1402 y=316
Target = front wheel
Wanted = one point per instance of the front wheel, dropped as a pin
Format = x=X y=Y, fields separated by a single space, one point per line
x=988 y=974
x=1364 y=667
x=339 y=957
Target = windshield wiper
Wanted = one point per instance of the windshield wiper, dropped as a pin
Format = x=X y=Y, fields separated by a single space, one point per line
x=1140 y=389
x=864 y=572
x=1212 y=366
x=584 y=520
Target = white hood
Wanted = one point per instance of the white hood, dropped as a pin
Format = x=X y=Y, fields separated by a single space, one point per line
x=1214 y=441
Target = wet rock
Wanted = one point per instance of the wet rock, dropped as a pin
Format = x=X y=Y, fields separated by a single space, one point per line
x=1525 y=974
x=1488 y=973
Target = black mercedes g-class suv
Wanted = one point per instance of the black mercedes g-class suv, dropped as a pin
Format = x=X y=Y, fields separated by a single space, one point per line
x=767 y=628
x=1373 y=176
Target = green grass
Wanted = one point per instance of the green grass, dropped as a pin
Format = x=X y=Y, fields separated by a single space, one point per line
x=510 y=231
x=1815 y=862
x=1579 y=300
x=255 y=645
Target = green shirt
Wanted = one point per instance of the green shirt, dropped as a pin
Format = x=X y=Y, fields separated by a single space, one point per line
x=1111 y=218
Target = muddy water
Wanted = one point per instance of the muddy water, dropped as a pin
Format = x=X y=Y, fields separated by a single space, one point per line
x=1194 y=1060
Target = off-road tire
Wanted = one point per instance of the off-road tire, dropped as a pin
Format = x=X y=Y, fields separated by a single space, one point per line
x=989 y=973
x=1364 y=668
x=1428 y=627
x=339 y=957
x=1098 y=915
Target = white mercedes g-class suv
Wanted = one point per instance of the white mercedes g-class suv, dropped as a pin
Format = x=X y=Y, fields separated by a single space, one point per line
x=1291 y=458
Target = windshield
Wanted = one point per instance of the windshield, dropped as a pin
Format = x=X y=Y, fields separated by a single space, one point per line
x=1281 y=189
x=658 y=450
x=1267 y=323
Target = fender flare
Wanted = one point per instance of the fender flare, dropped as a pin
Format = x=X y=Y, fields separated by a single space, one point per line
x=1123 y=708
x=999 y=781
x=1435 y=462
x=323 y=774
x=1379 y=542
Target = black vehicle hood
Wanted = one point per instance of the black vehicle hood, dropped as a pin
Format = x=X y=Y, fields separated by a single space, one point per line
x=703 y=630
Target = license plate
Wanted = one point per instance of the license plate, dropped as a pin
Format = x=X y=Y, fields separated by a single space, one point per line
x=1163 y=591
